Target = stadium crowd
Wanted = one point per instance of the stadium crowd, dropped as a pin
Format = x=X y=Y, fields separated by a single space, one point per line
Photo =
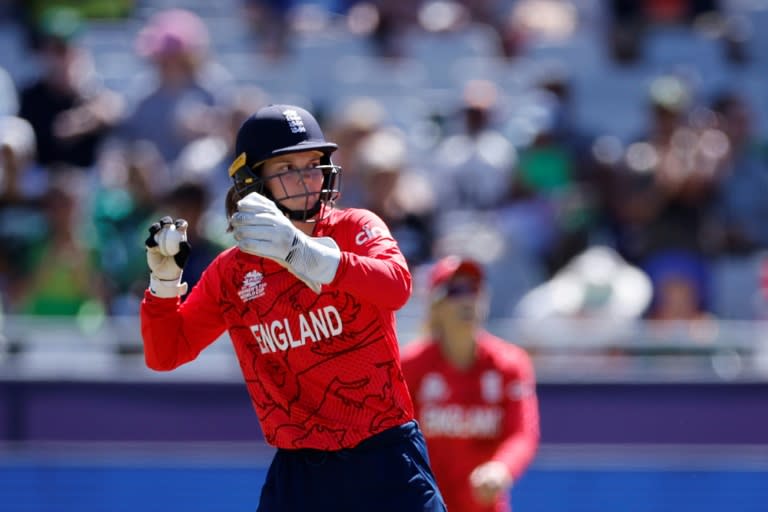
x=526 y=134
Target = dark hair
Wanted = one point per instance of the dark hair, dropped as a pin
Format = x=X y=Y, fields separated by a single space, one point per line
x=230 y=205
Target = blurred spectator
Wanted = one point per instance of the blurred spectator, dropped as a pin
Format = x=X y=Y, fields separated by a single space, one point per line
x=270 y=22
x=736 y=32
x=130 y=182
x=65 y=279
x=583 y=206
x=545 y=166
x=384 y=24
x=668 y=183
x=668 y=190
x=474 y=394
x=401 y=196
x=741 y=207
x=353 y=121
x=495 y=15
x=629 y=21
x=557 y=82
x=474 y=166
x=551 y=178
x=739 y=233
x=68 y=108
x=680 y=287
x=535 y=21
x=22 y=185
x=681 y=306
x=476 y=213
x=181 y=103
x=626 y=30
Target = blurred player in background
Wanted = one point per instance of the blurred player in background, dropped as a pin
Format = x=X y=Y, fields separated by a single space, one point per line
x=475 y=394
x=308 y=296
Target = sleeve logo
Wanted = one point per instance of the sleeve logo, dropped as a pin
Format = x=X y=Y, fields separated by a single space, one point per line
x=367 y=234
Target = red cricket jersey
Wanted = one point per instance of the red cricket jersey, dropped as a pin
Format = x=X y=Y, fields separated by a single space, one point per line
x=487 y=412
x=322 y=370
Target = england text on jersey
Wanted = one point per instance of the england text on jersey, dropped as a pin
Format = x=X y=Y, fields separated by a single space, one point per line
x=454 y=420
x=285 y=333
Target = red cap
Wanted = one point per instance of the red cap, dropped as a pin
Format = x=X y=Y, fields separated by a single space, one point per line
x=450 y=266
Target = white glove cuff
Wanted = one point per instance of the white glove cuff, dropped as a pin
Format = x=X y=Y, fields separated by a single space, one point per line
x=166 y=289
x=326 y=259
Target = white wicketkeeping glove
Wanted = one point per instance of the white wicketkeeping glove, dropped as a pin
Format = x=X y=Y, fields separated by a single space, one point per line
x=165 y=278
x=260 y=228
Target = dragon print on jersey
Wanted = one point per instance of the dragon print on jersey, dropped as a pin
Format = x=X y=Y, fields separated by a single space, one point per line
x=297 y=339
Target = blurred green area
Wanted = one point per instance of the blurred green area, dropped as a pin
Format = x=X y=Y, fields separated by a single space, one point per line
x=88 y=9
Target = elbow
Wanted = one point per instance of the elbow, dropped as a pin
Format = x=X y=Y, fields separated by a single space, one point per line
x=401 y=299
x=402 y=292
x=159 y=354
x=154 y=365
x=158 y=360
x=157 y=364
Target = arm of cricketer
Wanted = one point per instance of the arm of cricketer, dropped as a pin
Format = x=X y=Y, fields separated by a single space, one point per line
x=260 y=228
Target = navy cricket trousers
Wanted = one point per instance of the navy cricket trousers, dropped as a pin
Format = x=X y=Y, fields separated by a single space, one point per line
x=388 y=472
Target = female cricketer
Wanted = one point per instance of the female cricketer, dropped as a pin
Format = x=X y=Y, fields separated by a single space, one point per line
x=474 y=394
x=308 y=296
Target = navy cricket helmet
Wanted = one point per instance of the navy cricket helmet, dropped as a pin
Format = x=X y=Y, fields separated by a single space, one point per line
x=278 y=130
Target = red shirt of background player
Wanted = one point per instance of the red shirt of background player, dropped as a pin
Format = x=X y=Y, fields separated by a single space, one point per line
x=474 y=395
